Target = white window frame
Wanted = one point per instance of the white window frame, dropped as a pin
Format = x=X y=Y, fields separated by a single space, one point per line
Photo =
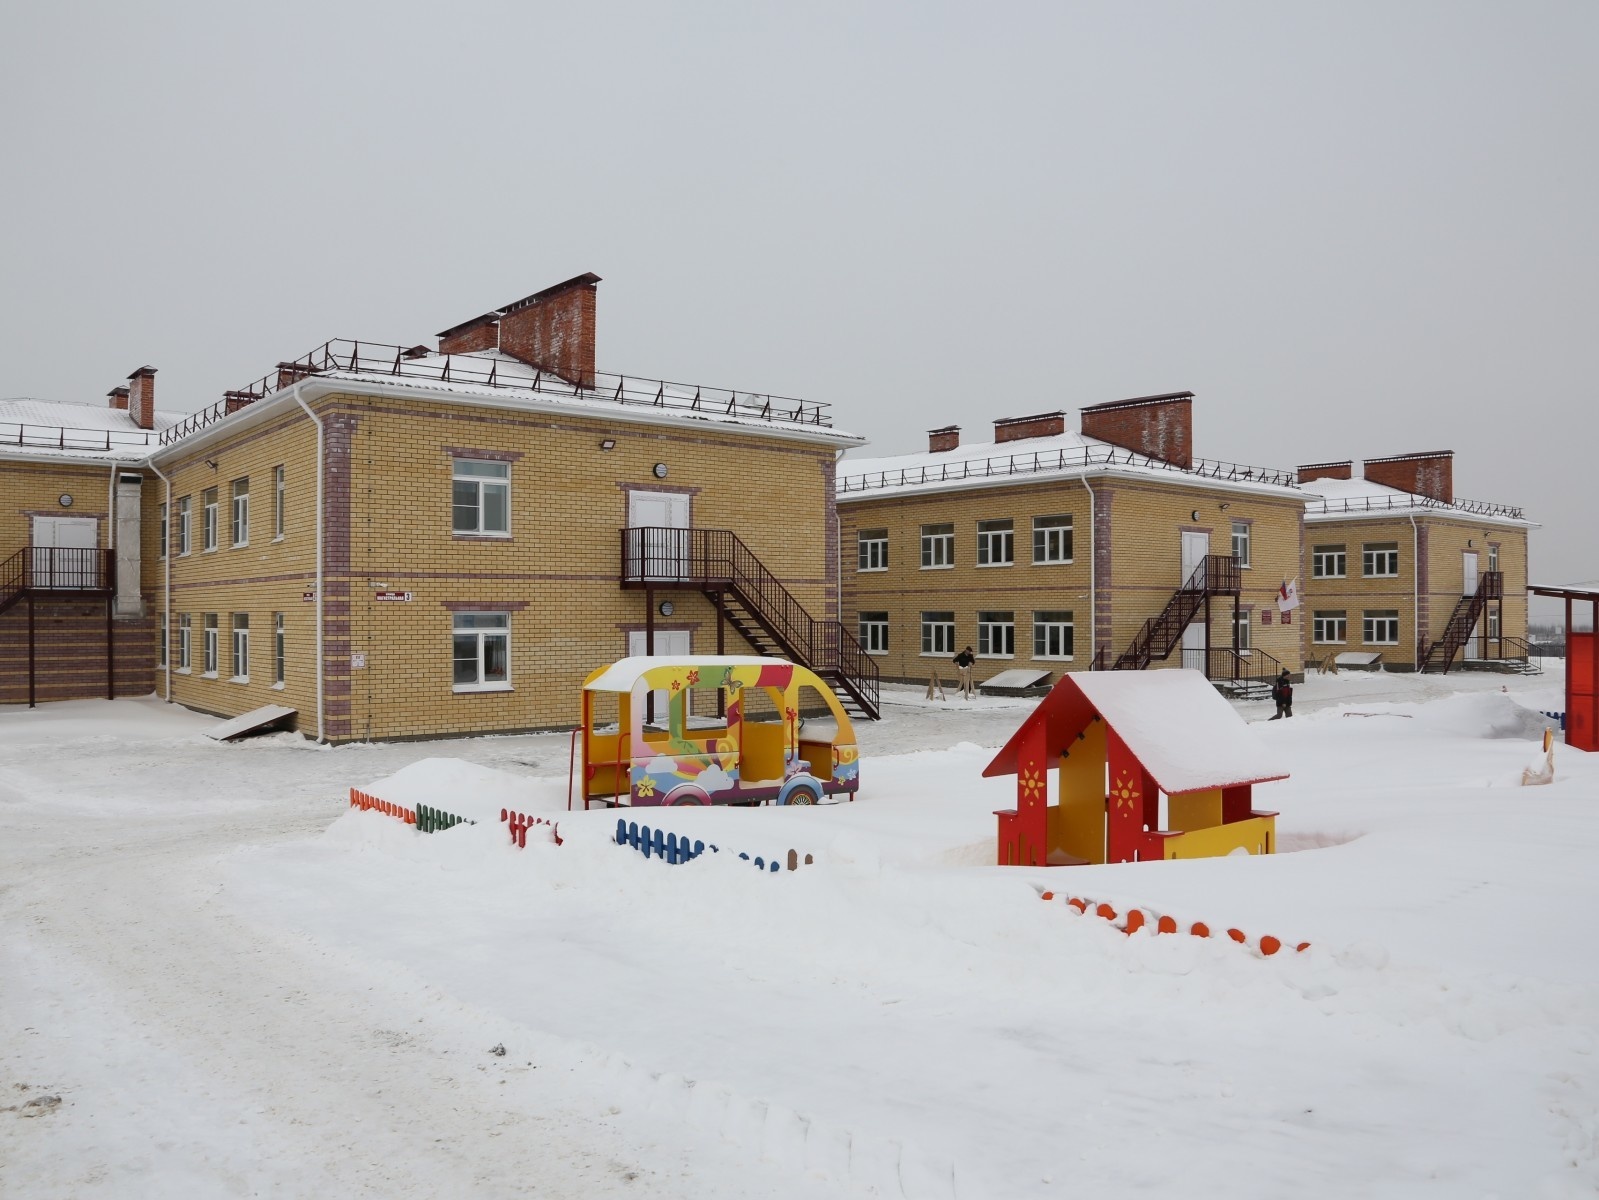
x=1053 y=539
x=484 y=476
x=184 y=507
x=1242 y=629
x=1241 y=541
x=1384 y=555
x=871 y=550
x=938 y=546
x=1493 y=556
x=1327 y=622
x=996 y=634
x=208 y=520
x=938 y=634
x=462 y=626
x=873 y=632
x=241 y=648
x=1371 y=619
x=1329 y=555
x=1491 y=624
x=208 y=647
x=996 y=543
x=240 y=524
x=280 y=500
x=1057 y=626
x=279 y=650
x=165 y=529
x=185 y=642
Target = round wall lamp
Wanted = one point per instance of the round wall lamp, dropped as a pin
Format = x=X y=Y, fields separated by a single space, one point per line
x=65 y=499
x=665 y=608
x=660 y=470
x=1194 y=515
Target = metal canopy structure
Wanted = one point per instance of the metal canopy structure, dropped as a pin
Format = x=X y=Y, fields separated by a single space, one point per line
x=1582 y=663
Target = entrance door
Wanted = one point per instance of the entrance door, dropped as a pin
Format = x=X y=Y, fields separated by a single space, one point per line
x=669 y=643
x=1468 y=570
x=664 y=549
x=65 y=552
x=1195 y=547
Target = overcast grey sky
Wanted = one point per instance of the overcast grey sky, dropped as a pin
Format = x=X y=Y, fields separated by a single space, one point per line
x=1352 y=229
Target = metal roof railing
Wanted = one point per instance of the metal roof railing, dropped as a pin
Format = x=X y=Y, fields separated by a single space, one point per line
x=57 y=437
x=376 y=359
x=1370 y=504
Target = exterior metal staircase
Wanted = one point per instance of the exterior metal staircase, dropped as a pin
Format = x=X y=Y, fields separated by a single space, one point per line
x=755 y=603
x=55 y=576
x=1440 y=656
x=1216 y=575
x=55 y=572
x=1241 y=674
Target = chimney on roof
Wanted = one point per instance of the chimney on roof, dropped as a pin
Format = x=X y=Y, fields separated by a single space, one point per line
x=232 y=402
x=1010 y=429
x=1431 y=475
x=119 y=398
x=480 y=333
x=947 y=438
x=553 y=330
x=1155 y=426
x=141 y=397
x=1330 y=470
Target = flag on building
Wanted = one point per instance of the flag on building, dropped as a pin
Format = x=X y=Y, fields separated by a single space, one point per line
x=1288 y=595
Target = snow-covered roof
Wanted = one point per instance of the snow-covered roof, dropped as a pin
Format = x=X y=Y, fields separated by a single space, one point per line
x=625 y=673
x=1175 y=723
x=60 y=429
x=1574 y=589
x=1027 y=460
x=1340 y=499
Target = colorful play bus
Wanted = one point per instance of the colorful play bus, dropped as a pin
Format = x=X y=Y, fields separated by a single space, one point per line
x=713 y=729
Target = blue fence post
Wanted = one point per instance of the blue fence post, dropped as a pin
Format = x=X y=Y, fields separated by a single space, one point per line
x=671 y=849
x=621 y=832
x=660 y=844
x=699 y=849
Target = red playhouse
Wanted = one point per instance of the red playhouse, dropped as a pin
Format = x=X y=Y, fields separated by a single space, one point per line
x=1582 y=665
x=1129 y=743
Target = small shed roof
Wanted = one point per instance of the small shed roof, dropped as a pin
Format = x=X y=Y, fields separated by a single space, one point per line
x=1174 y=722
x=1576 y=591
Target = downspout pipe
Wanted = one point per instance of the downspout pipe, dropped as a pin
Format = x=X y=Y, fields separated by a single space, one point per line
x=1415 y=587
x=1093 y=593
x=166 y=585
x=321 y=466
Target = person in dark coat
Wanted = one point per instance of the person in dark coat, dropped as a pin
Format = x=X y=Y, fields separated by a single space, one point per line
x=963 y=662
x=1283 y=692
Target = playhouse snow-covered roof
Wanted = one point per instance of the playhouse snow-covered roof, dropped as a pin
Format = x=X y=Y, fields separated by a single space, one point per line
x=622 y=675
x=1174 y=722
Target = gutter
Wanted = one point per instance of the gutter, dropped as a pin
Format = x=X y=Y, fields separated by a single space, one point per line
x=166 y=586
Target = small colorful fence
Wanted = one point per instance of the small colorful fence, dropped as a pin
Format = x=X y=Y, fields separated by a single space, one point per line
x=361 y=800
x=425 y=817
x=520 y=823
x=1134 y=919
x=675 y=850
x=1556 y=716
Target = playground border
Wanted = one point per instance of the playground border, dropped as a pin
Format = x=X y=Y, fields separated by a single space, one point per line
x=1134 y=919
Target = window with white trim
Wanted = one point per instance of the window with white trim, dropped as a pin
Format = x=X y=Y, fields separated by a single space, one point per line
x=1241 y=542
x=1329 y=627
x=241 y=512
x=183 y=526
x=1327 y=562
x=938 y=546
x=1380 y=627
x=208 y=519
x=1379 y=560
x=1493 y=557
x=481 y=497
x=209 y=649
x=938 y=633
x=996 y=634
x=161 y=510
x=1052 y=539
x=280 y=498
x=996 y=543
x=1492 y=619
x=279 y=649
x=874 y=632
x=872 y=550
x=185 y=629
x=482 y=651
x=1242 y=628
x=241 y=646
x=1053 y=635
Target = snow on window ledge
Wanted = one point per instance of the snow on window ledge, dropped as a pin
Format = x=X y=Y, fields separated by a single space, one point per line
x=277 y=687
x=238 y=679
x=462 y=688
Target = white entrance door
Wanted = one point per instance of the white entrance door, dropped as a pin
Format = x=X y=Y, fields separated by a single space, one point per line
x=64 y=552
x=669 y=643
x=1468 y=571
x=1195 y=547
x=665 y=548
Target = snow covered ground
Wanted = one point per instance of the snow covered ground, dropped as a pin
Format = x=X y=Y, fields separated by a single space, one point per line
x=218 y=980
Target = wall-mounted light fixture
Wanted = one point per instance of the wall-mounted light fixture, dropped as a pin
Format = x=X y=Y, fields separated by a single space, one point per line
x=607 y=443
x=660 y=470
x=212 y=463
x=665 y=608
x=1468 y=543
x=1225 y=506
x=1194 y=515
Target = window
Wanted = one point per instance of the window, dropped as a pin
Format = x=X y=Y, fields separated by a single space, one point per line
x=874 y=632
x=996 y=634
x=162 y=661
x=1243 y=629
x=1241 y=542
x=184 y=628
x=241 y=512
x=278 y=648
x=1052 y=539
x=1327 y=626
x=873 y=549
x=241 y=646
x=161 y=512
x=482 y=651
x=938 y=546
x=208 y=520
x=209 y=649
x=1326 y=562
x=1052 y=635
x=1379 y=559
x=183 y=526
x=1492 y=618
x=938 y=633
x=1493 y=558
x=1381 y=627
x=482 y=497
x=996 y=543
x=279 y=498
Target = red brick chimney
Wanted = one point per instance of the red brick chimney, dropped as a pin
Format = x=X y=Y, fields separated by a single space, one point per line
x=947 y=438
x=1010 y=429
x=1330 y=470
x=141 y=397
x=480 y=333
x=232 y=402
x=1431 y=475
x=1155 y=426
x=552 y=330
x=119 y=398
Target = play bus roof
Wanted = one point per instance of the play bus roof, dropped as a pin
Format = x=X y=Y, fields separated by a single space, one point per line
x=624 y=674
x=1174 y=722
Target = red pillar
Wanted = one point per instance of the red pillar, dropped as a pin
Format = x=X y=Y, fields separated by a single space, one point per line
x=1127 y=805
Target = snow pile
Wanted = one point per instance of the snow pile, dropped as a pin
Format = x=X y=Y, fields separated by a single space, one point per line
x=467 y=789
x=1481 y=715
